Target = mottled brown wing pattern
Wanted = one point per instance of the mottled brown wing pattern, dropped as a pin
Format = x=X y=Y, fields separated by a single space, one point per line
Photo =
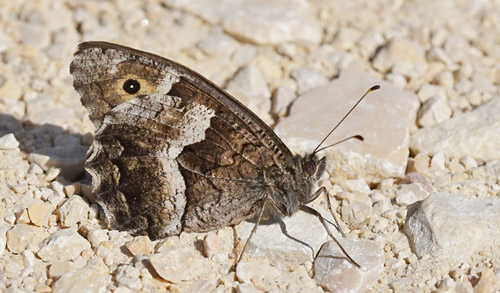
x=172 y=152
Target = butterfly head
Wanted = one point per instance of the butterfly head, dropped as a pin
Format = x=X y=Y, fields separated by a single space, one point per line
x=313 y=167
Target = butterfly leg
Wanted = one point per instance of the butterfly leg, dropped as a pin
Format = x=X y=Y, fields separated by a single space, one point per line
x=315 y=195
x=333 y=215
x=314 y=212
x=259 y=218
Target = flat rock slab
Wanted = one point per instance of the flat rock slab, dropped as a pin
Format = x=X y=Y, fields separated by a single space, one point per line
x=473 y=134
x=270 y=242
x=334 y=272
x=259 y=21
x=452 y=226
x=383 y=118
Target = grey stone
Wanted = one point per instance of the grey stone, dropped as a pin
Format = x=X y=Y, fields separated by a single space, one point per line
x=452 y=226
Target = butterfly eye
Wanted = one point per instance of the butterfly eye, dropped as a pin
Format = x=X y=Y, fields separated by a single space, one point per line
x=310 y=167
x=131 y=86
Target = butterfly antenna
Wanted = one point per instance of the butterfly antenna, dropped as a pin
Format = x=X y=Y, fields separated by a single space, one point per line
x=317 y=149
x=358 y=137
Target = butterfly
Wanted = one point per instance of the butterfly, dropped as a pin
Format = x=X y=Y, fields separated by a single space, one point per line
x=173 y=152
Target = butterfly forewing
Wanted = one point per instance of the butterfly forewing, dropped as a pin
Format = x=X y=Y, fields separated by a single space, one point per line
x=172 y=151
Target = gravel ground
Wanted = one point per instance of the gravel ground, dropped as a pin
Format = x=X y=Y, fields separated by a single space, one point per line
x=417 y=200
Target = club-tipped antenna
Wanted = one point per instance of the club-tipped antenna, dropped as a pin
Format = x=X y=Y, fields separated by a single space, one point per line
x=317 y=149
x=358 y=137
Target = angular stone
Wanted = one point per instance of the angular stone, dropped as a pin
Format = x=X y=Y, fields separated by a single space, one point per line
x=176 y=264
x=489 y=282
x=140 y=245
x=90 y=278
x=356 y=186
x=39 y=213
x=69 y=158
x=22 y=217
x=282 y=97
x=96 y=236
x=334 y=272
x=383 y=118
x=10 y=89
x=473 y=134
x=434 y=110
x=59 y=268
x=219 y=45
x=452 y=226
x=65 y=244
x=407 y=194
x=3 y=239
x=399 y=51
x=259 y=21
x=8 y=142
x=246 y=271
x=305 y=235
x=267 y=278
x=356 y=212
x=249 y=87
x=211 y=245
x=72 y=211
x=21 y=236
x=128 y=276
x=308 y=79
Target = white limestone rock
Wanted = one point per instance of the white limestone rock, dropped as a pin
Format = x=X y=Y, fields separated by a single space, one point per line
x=383 y=118
x=72 y=211
x=177 y=264
x=90 y=278
x=249 y=86
x=269 y=241
x=334 y=272
x=8 y=142
x=259 y=21
x=473 y=134
x=453 y=227
x=65 y=244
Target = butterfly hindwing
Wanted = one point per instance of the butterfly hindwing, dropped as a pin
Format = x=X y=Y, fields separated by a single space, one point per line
x=172 y=151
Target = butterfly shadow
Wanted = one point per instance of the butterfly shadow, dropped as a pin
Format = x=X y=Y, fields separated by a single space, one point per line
x=272 y=217
x=51 y=146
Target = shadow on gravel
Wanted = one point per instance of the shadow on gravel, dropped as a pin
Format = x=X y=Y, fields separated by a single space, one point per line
x=50 y=146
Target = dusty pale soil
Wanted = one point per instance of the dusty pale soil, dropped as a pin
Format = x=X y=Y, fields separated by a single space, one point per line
x=418 y=200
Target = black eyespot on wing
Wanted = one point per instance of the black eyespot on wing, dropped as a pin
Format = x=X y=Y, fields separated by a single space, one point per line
x=131 y=86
